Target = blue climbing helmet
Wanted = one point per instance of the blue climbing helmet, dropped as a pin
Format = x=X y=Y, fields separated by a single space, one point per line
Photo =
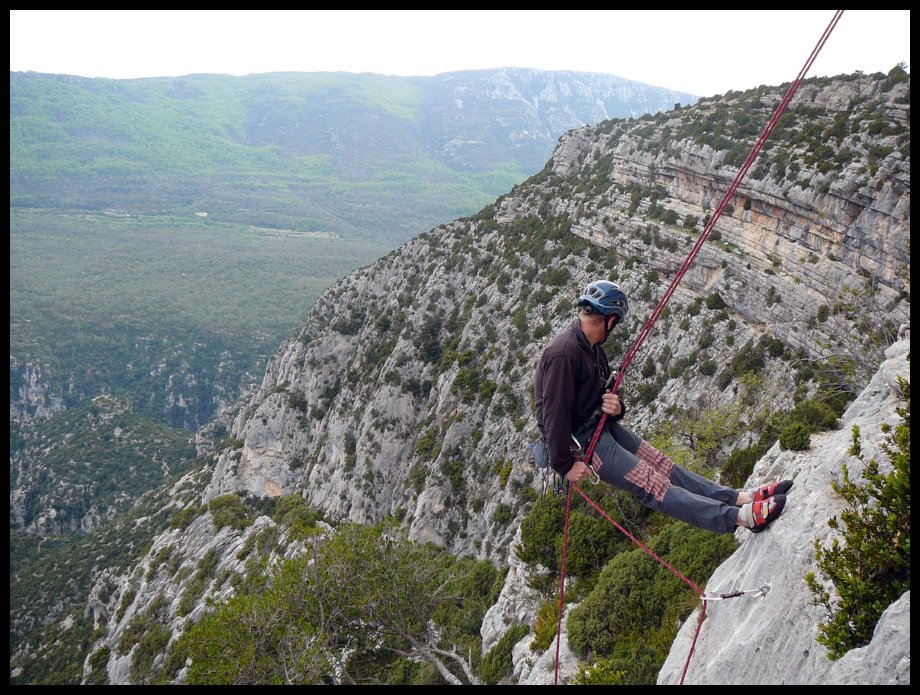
x=606 y=298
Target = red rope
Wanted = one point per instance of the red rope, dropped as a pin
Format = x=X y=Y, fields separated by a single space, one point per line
x=656 y=313
x=647 y=328
x=657 y=559
x=565 y=552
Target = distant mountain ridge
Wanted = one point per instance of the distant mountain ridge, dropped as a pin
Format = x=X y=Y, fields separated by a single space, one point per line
x=353 y=154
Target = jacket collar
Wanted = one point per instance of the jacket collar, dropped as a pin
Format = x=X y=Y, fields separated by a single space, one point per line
x=579 y=334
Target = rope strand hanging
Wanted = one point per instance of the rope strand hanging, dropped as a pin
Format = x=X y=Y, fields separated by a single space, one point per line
x=647 y=328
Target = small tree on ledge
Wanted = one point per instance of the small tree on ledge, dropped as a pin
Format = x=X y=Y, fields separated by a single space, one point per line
x=870 y=568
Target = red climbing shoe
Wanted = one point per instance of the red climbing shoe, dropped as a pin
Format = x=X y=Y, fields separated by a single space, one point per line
x=776 y=488
x=759 y=515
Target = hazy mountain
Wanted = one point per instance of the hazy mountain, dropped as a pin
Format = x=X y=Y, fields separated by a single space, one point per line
x=384 y=157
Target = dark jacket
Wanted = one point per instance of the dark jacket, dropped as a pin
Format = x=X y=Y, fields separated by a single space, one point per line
x=569 y=387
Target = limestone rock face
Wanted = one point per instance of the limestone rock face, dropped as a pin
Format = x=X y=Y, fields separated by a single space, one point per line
x=33 y=397
x=408 y=392
x=516 y=604
x=886 y=659
x=771 y=639
x=182 y=573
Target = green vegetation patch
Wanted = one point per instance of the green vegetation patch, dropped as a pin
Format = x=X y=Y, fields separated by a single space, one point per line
x=868 y=566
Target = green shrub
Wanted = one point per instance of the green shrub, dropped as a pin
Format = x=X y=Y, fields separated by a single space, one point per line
x=229 y=510
x=633 y=663
x=428 y=445
x=502 y=467
x=497 y=665
x=452 y=468
x=749 y=358
x=539 y=530
x=557 y=277
x=150 y=646
x=542 y=331
x=183 y=518
x=503 y=514
x=546 y=625
x=126 y=600
x=635 y=606
x=600 y=672
x=773 y=346
x=740 y=464
x=294 y=512
x=715 y=301
x=869 y=566
x=795 y=436
x=98 y=662
x=647 y=392
x=297 y=401
x=195 y=587
x=417 y=478
x=592 y=541
x=814 y=413
x=795 y=427
x=141 y=623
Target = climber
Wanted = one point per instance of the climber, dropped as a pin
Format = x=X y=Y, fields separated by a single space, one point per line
x=570 y=396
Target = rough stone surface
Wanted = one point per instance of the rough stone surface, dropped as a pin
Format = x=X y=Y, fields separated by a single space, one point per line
x=886 y=659
x=541 y=669
x=771 y=639
x=516 y=604
x=34 y=398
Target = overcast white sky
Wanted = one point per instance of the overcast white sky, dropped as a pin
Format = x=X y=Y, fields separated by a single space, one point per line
x=703 y=52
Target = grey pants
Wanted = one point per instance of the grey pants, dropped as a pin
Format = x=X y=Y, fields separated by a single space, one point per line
x=634 y=465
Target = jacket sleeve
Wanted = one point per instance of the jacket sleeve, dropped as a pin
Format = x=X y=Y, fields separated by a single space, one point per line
x=558 y=397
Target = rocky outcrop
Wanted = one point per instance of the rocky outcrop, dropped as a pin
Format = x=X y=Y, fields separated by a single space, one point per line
x=30 y=395
x=886 y=660
x=771 y=639
x=174 y=585
x=517 y=603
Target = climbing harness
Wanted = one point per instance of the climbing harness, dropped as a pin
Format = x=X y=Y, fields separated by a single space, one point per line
x=646 y=329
